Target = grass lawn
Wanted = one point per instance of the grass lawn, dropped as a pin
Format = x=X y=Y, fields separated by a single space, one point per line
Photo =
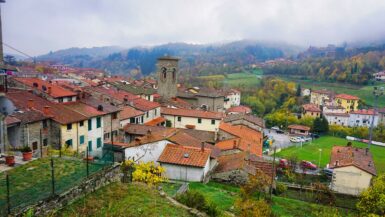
x=364 y=92
x=32 y=182
x=224 y=197
x=171 y=188
x=118 y=199
x=244 y=79
x=310 y=151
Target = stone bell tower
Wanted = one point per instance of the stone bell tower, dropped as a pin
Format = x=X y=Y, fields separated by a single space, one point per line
x=167 y=70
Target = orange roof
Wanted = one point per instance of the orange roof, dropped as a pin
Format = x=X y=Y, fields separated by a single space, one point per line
x=155 y=121
x=347 y=97
x=129 y=112
x=185 y=155
x=240 y=109
x=363 y=112
x=84 y=109
x=192 y=113
x=249 y=139
x=51 y=89
x=342 y=156
x=144 y=105
x=311 y=107
x=298 y=127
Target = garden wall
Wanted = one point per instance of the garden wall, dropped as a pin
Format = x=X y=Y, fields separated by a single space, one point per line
x=92 y=183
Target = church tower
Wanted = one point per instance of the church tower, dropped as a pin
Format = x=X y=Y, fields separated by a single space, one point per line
x=167 y=70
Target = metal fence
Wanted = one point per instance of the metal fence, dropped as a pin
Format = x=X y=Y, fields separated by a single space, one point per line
x=44 y=178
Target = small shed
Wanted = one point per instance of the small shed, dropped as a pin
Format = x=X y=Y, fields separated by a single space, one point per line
x=299 y=129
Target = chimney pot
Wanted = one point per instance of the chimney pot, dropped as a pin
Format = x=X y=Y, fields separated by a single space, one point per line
x=49 y=90
x=30 y=103
x=202 y=146
x=47 y=110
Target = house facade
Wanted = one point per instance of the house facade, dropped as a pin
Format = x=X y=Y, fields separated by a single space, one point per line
x=341 y=119
x=320 y=97
x=363 y=118
x=311 y=110
x=348 y=102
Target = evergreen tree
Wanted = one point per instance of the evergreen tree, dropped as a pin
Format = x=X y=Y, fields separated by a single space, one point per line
x=298 y=93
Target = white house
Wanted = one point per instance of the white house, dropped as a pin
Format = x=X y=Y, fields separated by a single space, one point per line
x=379 y=76
x=333 y=109
x=192 y=119
x=305 y=92
x=353 y=169
x=146 y=152
x=185 y=163
x=129 y=115
x=341 y=119
x=232 y=98
x=151 y=109
x=363 y=118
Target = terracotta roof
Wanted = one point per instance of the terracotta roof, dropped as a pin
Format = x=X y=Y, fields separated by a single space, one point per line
x=144 y=105
x=107 y=108
x=84 y=109
x=336 y=114
x=10 y=120
x=347 y=97
x=363 y=112
x=342 y=156
x=203 y=136
x=58 y=112
x=184 y=155
x=249 y=139
x=155 y=121
x=247 y=117
x=239 y=109
x=51 y=89
x=311 y=107
x=129 y=112
x=139 y=129
x=29 y=115
x=243 y=161
x=191 y=113
x=298 y=127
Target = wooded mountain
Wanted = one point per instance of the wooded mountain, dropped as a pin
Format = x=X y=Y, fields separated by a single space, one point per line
x=194 y=57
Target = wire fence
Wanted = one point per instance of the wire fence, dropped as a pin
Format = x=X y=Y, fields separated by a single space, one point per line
x=45 y=178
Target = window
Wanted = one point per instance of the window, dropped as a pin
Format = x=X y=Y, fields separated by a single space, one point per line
x=34 y=145
x=179 y=118
x=45 y=124
x=199 y=120
x=89 y=124
x=45 y=142
x=147 y=114
x=174 y=75
x=69 y=143
x=98 y=122
x=114 y=116
x=89 y=146
x=106 y=135
x=81 y=123
x=156 y=112
x=81 y=140
x=164 y=73
x=60 y=99
x=132 y=120
x=212 y=122
x=142 y=119
x=99 y=142
x=69 y=126
x=69 y=99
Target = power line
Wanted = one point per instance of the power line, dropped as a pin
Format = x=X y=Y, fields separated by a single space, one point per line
x=19 y=51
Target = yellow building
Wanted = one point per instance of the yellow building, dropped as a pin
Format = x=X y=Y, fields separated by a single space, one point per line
x=311 y=110
x=320 y=97
x=348 y=102
x=74 y=135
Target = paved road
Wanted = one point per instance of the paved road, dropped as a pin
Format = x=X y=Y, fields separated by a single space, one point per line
x=280 y=140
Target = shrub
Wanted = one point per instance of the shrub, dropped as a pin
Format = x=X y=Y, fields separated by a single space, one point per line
x=280 y=189
x=195 y=199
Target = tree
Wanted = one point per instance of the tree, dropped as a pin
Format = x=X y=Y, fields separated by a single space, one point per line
x=253 y=208
x=298 y=93
x=147 y=173
x=372 y=200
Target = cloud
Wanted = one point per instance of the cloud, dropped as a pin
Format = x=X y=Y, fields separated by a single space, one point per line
x=40 y=26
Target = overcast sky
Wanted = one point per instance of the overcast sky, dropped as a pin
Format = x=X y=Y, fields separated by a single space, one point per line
x=40 y=26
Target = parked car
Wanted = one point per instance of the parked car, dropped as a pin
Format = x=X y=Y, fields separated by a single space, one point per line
x=275 y=128
x=308 y=165
x=279 y=131
x=314 y=135
x=295 y=139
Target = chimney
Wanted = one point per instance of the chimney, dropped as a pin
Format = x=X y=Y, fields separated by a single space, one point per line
x=370 y=164
x=49 y=90
x=336 y=164
x=100 y=108
x=47 y=110
x=202 y=146
x=30 y=103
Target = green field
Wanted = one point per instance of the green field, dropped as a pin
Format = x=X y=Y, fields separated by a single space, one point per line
x=32 y=182
x=364 y=92
x=310 y=151
x=224 y=197
x=118 y=199
x=236 y=80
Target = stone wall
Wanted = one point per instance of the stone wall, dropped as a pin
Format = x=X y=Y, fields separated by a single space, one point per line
x=94 y=182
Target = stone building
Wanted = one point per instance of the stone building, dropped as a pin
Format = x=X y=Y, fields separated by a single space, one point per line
x=167 y=70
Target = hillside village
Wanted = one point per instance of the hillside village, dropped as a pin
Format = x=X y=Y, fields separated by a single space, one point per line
x=196 y=134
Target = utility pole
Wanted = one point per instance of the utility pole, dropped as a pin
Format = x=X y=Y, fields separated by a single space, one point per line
x=377 y=92
x=272 y=175
x=1 y=38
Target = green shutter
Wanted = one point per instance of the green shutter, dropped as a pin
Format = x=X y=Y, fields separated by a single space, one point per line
x=89 y=125
x=99 y=142
x=98 y=122
x=81 y=139
x=90 y=146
